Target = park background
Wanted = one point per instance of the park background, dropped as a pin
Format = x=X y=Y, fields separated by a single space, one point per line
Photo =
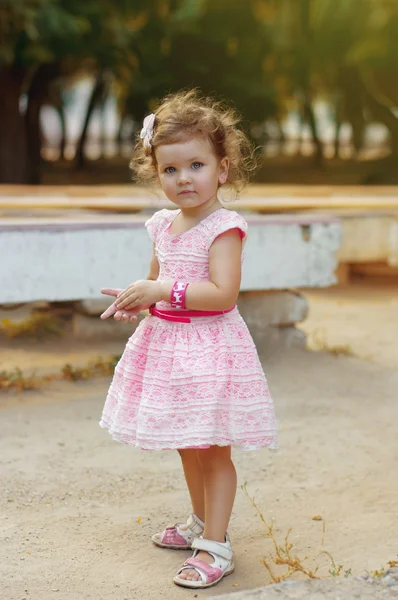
x=316 y=84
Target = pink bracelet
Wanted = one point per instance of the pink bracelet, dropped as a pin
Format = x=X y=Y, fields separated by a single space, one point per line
x=177 y=296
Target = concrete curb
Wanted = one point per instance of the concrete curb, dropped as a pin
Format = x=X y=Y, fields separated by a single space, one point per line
x=364 y=587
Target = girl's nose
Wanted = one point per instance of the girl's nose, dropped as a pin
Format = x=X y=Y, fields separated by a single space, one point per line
x=184 y=177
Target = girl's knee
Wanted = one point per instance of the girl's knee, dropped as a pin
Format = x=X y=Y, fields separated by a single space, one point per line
x=187 y=454
x=215 y=457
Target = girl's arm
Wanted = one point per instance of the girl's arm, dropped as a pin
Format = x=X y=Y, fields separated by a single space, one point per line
x=220 y=293
x=153 y=266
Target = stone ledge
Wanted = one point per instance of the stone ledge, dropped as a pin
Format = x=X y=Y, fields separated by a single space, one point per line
x=264 y=308
x=364 y=587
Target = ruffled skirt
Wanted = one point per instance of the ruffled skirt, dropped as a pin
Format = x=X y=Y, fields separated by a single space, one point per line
x=190 y=385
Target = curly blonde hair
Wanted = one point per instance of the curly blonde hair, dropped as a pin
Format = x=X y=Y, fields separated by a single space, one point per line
x=185 y=114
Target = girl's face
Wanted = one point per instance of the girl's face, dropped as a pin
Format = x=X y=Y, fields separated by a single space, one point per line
x=190 y=172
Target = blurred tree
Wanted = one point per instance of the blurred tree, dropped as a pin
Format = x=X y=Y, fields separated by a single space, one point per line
x=41 y=40
x=344 y=51
x=218 y=47
x=17 y=18
x=266 y=56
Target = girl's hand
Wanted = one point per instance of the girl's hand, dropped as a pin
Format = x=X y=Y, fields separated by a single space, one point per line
x=127 y=316
x=121 y=315
x=142 y=292
x=111 y=310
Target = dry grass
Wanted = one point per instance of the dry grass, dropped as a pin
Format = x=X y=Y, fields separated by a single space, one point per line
x=38 y=326
x=318 y=341
x=98 y=368
x=17 y=381
x=382 y=571
x=284 y=562
x=284 y=556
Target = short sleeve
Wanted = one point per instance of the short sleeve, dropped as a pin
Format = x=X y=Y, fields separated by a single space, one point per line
x=230 y=220
x=154 y=224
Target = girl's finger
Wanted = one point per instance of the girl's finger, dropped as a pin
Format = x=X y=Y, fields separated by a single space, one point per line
x=130 y=302
x=118 y=315
x=112 y=291
x=119 y=301
x=132 y=305
x=133 y=318
x=109 y=311
x=123 y=294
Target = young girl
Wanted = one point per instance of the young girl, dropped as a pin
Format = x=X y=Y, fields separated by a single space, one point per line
x=190 y=378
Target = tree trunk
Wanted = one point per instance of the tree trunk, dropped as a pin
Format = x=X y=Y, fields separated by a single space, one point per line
x=96 y=95
x=353 y=101
x=119 y=137
x=309 y=115
x=383 y=114
x=337 y=127
x=103 y=129
x=13 y=146
x=62 y=145
x=37 y=93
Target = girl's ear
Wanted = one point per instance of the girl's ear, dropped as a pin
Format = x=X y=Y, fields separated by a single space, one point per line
x=224 y=167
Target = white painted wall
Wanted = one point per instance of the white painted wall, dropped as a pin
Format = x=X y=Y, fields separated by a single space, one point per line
x=369 y=238
x=64 y=260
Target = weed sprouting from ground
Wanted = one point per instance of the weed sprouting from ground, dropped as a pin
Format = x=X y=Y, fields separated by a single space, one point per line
x=285 y=556
x=98 y=368
x=318 y=341
x=382 y=571
x=38 y=326
x=16 y=380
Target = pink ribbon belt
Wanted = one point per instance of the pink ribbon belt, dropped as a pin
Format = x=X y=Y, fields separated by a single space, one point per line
x=185 y=316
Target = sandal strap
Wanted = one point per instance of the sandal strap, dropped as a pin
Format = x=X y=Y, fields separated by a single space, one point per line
x=206 y=571
x=195 y=525
x=213 y=548
x=171 y=536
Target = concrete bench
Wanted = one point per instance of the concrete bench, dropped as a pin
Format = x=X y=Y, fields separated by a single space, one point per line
x=70 y=259
x=369 y=213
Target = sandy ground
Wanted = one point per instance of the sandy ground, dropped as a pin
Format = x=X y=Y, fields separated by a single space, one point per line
x=77 y=509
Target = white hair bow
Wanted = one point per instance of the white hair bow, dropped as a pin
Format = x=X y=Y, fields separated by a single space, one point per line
x=147 y=131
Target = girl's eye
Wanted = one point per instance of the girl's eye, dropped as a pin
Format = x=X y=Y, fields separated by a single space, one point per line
x=169 y=170
x=197 y=165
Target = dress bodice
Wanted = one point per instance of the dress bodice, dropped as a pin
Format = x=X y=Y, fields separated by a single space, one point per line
x=185 y=256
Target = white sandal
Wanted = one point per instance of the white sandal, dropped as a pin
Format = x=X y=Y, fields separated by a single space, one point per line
x=180 y=539
x=210 y=575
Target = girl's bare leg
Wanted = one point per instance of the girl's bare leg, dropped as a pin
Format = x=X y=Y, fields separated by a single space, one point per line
x=194 y=478
x=219 y=479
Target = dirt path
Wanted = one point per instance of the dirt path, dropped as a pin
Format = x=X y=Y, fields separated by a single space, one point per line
x=77 y=509
x=361 y=317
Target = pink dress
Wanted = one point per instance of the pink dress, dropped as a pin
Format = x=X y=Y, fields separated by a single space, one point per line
x=190 y=385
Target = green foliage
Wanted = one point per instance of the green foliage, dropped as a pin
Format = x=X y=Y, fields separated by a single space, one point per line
x=266 y=56
x=38 y=31
x=216 y=46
